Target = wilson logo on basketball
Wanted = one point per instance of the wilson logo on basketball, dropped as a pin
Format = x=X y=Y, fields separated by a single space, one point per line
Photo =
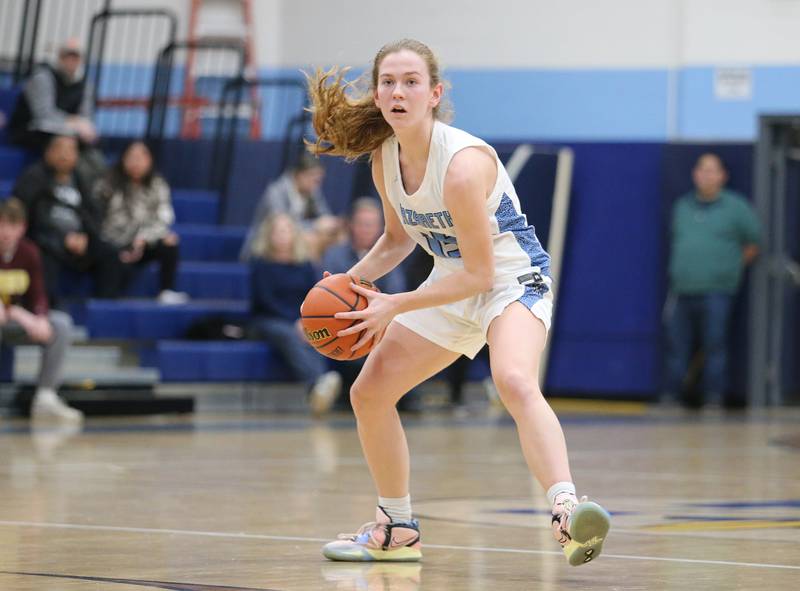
x=318 y=335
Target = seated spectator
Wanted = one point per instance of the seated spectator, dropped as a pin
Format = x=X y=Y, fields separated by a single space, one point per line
x=282 y=275
x=297 y=193
x=54 y=101
x=25 y=316
x=65 y=221
x=364 y=227
x=138 y=216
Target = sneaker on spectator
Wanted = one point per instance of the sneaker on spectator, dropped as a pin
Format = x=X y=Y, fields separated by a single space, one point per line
x=325 y=392
x=460 y=410
x=47 y=405
x=169 y=297
x=491 y=392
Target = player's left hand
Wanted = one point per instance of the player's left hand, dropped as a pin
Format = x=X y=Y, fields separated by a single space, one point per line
x=381 y=308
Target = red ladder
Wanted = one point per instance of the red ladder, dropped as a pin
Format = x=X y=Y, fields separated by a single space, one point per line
x=191 y=127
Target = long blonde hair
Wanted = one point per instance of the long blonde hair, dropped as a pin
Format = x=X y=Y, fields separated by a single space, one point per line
x=352 y=126
x=262 y=246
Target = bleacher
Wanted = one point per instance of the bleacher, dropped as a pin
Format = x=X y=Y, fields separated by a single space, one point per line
x=111 y=333
x=138 y=328
x=136 y=343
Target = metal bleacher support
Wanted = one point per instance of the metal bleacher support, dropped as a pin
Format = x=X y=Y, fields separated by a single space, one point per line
x=772 y=378
x=121 y=51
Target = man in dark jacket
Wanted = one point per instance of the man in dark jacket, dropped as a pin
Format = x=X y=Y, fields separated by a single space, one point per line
x=65 y=220
x=54 y=101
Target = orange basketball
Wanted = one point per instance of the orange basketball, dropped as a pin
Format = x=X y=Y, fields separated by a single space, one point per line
x=329 y=296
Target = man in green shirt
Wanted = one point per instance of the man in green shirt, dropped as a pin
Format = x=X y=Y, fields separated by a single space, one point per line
x=715 y=234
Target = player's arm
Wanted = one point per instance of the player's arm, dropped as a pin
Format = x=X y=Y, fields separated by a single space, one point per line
x=394 y=245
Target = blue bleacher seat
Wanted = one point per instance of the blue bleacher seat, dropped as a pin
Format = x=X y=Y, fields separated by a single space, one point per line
x=5 y=188
x=147 y=319
x=12 y=161
x=195 y=206
x=215 y=361
x=6 y=364
x=200 y=242
x=210 y=280
x=205 y=281
x=8 y=99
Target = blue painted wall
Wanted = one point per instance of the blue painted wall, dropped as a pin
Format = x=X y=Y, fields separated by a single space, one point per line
x=575 y=104
x=702 y=116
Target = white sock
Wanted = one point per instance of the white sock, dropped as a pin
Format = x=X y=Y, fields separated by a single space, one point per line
x=398 y=509
x=560 y=488
x=45 y=393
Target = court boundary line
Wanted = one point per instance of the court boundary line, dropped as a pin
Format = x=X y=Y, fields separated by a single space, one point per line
x=242 y=535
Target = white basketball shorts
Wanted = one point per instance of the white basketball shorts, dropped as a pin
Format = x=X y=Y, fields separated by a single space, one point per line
x=462 y=326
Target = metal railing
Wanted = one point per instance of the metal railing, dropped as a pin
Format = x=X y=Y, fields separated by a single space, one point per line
x=31 y=30
x=281 y=104
x=188 y=91
x=120 y=69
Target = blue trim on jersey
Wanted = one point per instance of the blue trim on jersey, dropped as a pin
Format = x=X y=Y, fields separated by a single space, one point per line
x=530 y=297
x=510 y=220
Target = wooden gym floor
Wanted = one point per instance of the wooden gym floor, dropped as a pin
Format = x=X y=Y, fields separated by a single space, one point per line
x=244 y=501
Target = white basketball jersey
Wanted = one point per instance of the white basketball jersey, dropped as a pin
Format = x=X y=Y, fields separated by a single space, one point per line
x=517 y=251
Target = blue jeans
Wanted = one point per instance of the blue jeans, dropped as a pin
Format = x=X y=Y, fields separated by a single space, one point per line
x=304 y=362
x=704 y=318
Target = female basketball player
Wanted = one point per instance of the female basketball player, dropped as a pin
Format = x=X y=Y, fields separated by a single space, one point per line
x=448 y=192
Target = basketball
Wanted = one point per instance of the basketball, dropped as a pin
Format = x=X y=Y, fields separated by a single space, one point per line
x=330 y=295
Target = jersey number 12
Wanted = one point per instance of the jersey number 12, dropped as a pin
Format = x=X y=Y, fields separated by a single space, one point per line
x=442 y=245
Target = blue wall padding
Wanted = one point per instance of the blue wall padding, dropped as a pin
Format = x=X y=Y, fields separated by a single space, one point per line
x=215 y=361
x=609 y=286
x=254 y=165
x=187 y=164
x=133 y=319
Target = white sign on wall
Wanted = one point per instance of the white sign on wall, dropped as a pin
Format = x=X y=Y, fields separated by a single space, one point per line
x=733 y=84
